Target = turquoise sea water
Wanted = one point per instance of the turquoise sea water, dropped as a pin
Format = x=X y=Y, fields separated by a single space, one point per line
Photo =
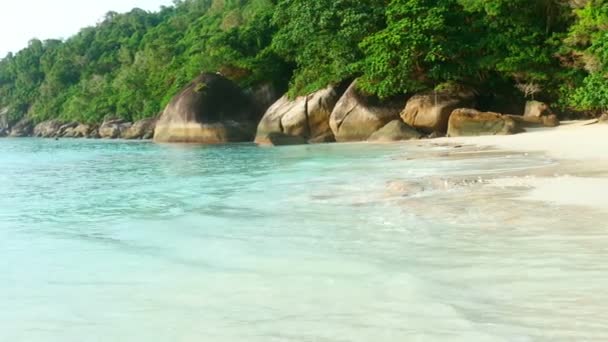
x=116 y=241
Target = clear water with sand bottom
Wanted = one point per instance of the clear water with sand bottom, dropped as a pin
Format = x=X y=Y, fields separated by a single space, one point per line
x=118 y=241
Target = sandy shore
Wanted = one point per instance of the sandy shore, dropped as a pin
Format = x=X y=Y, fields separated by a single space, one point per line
x=580 y=146
x=573 y=140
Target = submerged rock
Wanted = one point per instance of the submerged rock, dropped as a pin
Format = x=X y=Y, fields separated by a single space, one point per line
x=395 y=130
x=142 y=129
x=357 y=116
x=210 y=110
x=470 y=122
x=305 y=117
x=430 y=112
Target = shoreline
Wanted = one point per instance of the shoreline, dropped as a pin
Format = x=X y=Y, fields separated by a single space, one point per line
x=572 y=140
x=581 y=177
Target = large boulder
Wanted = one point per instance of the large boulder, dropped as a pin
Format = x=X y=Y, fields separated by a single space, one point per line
x=395 y=130
x=603 y=119
x=470 y=122
x=47 y=129
x=142 y=129
x=112 y=128
x=357 y=116
x=210 y=110
x=430 y=112
x=305 y=117
x=537 y=109
x=23 y=128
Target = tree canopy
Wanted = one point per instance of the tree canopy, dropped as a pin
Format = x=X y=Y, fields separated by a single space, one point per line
x=130 y=65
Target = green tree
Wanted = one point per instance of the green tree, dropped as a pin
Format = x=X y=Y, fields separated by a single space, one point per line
x=425 y=42
x=586 y=48
x=321 y=38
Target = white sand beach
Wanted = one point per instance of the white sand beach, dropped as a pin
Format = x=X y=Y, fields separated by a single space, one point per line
x=581 y=146
x=574 y=140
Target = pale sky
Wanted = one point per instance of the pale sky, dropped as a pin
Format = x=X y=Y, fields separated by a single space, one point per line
x=22 y=20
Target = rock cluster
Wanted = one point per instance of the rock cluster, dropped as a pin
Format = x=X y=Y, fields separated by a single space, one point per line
x=214 y=110
x=109 y=129
x=305 y=118
x=357 y=116
x=470 y=122
x=142 y=129
x=430 y=112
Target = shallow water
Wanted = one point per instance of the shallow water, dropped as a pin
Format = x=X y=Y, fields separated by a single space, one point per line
x=115 y=241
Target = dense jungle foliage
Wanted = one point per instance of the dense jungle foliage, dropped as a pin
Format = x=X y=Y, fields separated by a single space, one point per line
x=130 y=65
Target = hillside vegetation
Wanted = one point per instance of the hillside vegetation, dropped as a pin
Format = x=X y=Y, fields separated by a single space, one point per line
x=130 y=65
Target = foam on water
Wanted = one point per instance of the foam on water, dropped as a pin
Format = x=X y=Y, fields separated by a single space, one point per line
x=114 y=241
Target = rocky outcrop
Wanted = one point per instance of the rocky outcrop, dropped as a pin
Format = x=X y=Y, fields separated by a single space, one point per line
x=56 y=129
x=94 y=134
x=280 y=139
x=306 y=117
x=78 y=131
x=470 y=122
x=536 y=114
x=603 y=119
x=47 y=129
x=395 y=130
x=23 y=128
x=536 y=109
x=68 y=126
x=142 y=129
x=430 y=112
x=357 y=116
x=210 y=110
x=113 y=128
